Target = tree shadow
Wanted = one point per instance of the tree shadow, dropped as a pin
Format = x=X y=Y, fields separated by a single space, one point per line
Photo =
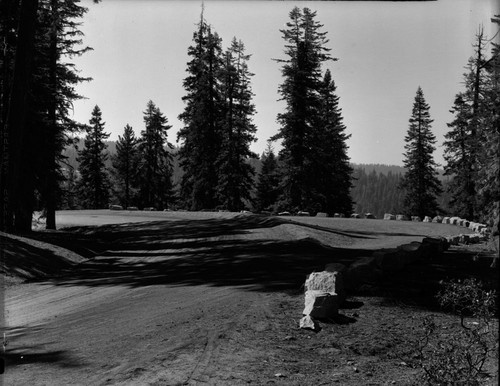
x=263 y=265
x=31 y=355
x=24 y=260
x=418 y=283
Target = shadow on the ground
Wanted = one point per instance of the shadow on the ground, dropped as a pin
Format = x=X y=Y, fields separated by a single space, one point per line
x=264 y=265
x=418 y=283
x=30 y=355
x=26 y=261
x=193 y=252
x=220 y=252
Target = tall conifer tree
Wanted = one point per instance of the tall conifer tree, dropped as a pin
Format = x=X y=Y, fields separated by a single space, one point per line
x=201 y=134
x=332 y=171
x=235 y=174
x=94 y=184
x=154 y=169
x=488 y=185
x=125 y=166
x=315 y=166
x=268 y=182
x=420 y=181
x=465 y=140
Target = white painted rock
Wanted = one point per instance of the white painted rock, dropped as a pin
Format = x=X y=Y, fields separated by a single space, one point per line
x=388 y=216
x=330 y=281
x=427 y=219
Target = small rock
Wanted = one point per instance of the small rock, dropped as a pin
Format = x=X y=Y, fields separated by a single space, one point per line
x=355 y=369
x=289 y=337
x=279 y=375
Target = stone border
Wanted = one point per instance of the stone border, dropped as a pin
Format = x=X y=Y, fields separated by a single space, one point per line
x=326 y=290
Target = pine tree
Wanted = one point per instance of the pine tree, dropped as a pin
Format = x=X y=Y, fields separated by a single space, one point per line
x=460 y=156
x=154 y=169
x=488 y=181
x=201 y=134
x=332 y=172
x=17 y=73
x=306 y=51
x=47 y=38
x=269 y=180
x=235 y=174
x=94 y=185
x=420 y=181
x=58 y=20
x=125 y=166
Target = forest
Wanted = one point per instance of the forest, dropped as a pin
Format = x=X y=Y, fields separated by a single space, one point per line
x=213 y=166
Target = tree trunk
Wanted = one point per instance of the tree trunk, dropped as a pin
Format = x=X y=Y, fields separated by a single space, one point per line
x=51 y=178
x=19 y=193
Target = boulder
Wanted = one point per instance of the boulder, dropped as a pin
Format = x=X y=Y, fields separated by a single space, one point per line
x=434 y=245
x=427 y=219
x=446 y=220
x=401 y=217
x=390 y=260
x=362 y=270
x=411 y=252
x=388 y=216
x=133 y=208
x=454 y=220
x=464 y=239
x=321 y=214
x=303 y=213
x=370 y=216
x=116 y=207
x=416 y=218
x=453 y=240
x=437 y=219
x=355 y=215
x=321 y=305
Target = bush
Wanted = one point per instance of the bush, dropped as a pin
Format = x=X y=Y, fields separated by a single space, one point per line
x=457 y=356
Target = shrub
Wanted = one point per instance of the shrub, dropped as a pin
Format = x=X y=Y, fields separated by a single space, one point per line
x=457 y=355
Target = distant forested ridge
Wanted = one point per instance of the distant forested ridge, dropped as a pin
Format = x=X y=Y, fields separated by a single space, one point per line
x=375 y=186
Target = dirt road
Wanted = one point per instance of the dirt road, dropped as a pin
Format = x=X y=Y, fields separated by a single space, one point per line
x=181 y=299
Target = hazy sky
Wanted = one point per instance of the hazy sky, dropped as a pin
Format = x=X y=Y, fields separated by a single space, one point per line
x=385 y=50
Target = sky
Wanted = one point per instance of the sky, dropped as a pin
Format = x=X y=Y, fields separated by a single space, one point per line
x=385 y=51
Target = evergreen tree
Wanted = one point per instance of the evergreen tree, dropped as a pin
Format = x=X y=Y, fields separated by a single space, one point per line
x=460 y=156
x=235 y=174
x=332 y=172
x=42 y=94
x=467 y=143
x=488 y=181
x=94 y=185
x=201 y=134
x=306 y=51
x=125 y=166
x=269 y=180
x=420 y=181
x=58 y=40
x=154 y=169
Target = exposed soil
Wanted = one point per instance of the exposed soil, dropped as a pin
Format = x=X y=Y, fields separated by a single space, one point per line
x=176 y=298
